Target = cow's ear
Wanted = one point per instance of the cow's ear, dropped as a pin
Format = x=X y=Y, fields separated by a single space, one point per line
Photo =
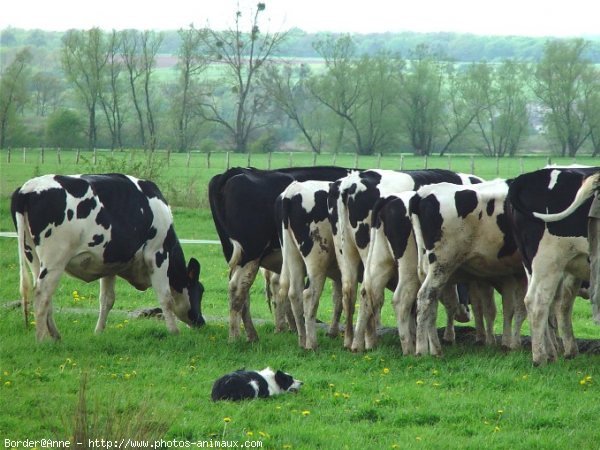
x=194 y=269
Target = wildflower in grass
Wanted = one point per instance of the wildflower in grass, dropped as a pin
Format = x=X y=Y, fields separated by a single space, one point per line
x=226 y=419
x=263 y=434
x=7 y=384
x=436 y=384
x=306 y=413
x=346 y=396
x=586 y=380
x=496 y=429
x=249 y=433
x=386 y=370
x=420 y=382
x=434 y=372
x=331 y=385
x=287 y=446
x=336 y=394
x=367 y=358
x=500 y=411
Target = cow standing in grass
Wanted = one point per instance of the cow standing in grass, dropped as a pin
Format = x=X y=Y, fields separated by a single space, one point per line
x=100 y=227
x=242 y=204
x=555 y=254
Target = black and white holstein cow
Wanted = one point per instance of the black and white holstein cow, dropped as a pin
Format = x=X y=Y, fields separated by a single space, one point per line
x=463 y=232
x=350 y=203
x=100 y=227
x=393 y=253
x=555 y=254
x=242 y=202
x=307 y=251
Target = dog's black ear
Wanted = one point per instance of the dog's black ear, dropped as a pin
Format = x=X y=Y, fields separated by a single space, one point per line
x=283 y=379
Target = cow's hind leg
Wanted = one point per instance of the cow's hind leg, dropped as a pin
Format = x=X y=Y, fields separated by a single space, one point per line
x=336 y=298
x=240 y=281
x=46 y=284
x=107 y=300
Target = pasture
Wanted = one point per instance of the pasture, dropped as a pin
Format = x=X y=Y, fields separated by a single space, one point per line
x=138 y=382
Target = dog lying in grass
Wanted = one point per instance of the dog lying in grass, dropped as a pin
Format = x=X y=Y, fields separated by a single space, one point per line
x=247 y=384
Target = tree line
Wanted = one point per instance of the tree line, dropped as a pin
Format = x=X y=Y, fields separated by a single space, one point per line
x=233 y=89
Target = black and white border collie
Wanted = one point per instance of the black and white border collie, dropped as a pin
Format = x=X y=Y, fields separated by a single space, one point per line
x=245 y=384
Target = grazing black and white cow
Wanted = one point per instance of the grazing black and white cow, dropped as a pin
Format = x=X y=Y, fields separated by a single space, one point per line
x=350 y=203
x=307 y=251
x=555 y=254
x=242 y=203
x=100 y=227
x=464 y=232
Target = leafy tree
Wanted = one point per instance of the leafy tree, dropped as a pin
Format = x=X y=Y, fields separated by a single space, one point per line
x=421 y=103
x=65 y=129
x=191 y=63
x=13 y=93
x=287 y=86
x=361 y=92
x=242 y=56
x=84 y=59
x=502 y=120
x=563 y=83
x=111 y=95
x=47 y=91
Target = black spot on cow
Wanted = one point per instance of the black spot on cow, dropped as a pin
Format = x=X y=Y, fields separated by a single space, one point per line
x=509 y=246
x=396 y=224
x=70 y=214
x=103 y=219
x=75 y=186
x=466 y=202
x=43 y=273
x=362 y=236
x=489 y=209
x=432 y=258
x=430 y=218
x=28 y=253
x=48 y=233
x=85 y=207
x=332 y=199
x=152 y=233
x=150 y=190
x=160 y=258
x=97 y=239
x=44 y=208
x=474 y=180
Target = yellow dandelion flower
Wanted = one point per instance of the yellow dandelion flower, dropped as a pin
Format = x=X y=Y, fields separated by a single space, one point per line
x=287 y=446
x=336 y=394
x=395 y=446
x=434 y=372
x=226 y=419
x=331 y=385
x=418 y=438
x=305 y=413
x=500 y=411
x=263 y=434
x=346 y=396
x=436 y=384
x=113 y=375
x=127 y=376
x=386 y=370
x=582 y=381
x=7 y=383
x=496 y=429
x=249 y=433
x=367 y=358
x=420 y=382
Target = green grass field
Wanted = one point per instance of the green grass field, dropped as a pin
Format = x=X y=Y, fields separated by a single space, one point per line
x=144 y=384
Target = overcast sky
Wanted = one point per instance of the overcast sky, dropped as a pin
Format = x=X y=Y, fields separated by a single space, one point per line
x=497 y=17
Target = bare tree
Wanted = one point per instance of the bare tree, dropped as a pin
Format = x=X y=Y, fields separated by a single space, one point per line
x=242 y=56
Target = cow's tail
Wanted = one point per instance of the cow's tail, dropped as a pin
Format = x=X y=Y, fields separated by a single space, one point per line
x=585 y=191
x=20 y=221
x=413 y=210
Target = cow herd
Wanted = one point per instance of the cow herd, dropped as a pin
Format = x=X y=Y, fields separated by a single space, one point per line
x=426 y=235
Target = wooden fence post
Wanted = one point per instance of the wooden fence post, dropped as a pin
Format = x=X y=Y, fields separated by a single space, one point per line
x=449 y=162
x=356 y=161
x=497 y=166
x=95 y=156
x=8 y=156
x=168 y=157
x=249 y=159
x=58 y=155
x=227 y=161
x=291 y=163
x=208 y=155
x=425 y=162
x=42 y=155
x=189 y=155
x=379 y=160
x=521 y=168
x=472 y=165
x=269 y=160
x=334 y=159
x=314 y=159
x=24 y=154
x=401 y=162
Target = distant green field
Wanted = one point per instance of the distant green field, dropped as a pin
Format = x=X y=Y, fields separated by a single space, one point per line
x=146 y=385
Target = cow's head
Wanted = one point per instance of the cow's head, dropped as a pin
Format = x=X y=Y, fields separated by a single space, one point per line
x=188 y=305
